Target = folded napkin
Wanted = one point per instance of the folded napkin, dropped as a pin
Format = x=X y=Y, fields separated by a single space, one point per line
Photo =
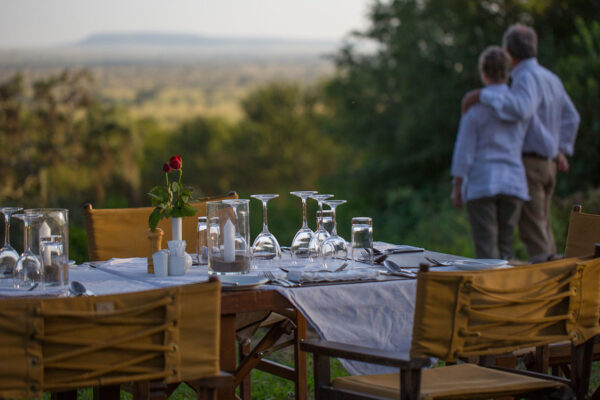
x=319 y=275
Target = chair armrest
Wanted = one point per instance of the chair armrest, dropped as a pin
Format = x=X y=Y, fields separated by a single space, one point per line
x=365 y=354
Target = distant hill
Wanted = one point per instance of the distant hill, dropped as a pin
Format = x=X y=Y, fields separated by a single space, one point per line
x=174 y=40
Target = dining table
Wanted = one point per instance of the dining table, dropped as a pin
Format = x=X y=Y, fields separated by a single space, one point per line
x=354 y=306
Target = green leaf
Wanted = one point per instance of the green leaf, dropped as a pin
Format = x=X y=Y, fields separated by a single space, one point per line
x=176 y=187
x=153 y=219
x=189 y=211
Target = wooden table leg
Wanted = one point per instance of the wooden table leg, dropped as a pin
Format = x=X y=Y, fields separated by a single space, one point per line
x=228 y=359
x=300 y=373
x=246 y=385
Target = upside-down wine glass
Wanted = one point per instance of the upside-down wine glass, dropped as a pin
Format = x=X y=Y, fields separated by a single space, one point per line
x=301 y=241
x=8 y=255
x=334 y=249
x=28 y=270
x=265 y=246
x=321 y=234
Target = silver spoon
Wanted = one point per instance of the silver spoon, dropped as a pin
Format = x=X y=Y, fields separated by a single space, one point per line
x=77 y=289
x=396 y=269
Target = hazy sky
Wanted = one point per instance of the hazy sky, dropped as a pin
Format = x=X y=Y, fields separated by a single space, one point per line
x=41 y=22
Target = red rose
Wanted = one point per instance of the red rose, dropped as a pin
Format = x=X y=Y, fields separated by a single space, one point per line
x=167 y=168
x=175 y=162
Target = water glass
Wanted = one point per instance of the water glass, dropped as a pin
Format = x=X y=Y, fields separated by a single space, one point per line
x=362 y=240
x=201 y=243
x=55 y=265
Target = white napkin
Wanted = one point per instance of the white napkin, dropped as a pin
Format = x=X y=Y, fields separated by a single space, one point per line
x=318 y=275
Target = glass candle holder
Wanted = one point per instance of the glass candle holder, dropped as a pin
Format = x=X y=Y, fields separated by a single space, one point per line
x=52 y=221
x=229 y=250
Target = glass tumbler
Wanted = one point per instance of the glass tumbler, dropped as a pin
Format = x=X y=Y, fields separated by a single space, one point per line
x=362 y=240
x=202 y=239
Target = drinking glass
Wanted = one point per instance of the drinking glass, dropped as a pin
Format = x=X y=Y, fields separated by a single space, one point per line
x=334 y=249
x=327 y=216
x=265 y=246
x=301 y=241
x=314 y=248
x=362 y=240
x=54 y=262
x=28 y=270
x=8 y=255
x=201 y=243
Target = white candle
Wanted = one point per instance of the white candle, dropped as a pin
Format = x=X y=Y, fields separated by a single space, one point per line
x=44 y=233
x=229 y=242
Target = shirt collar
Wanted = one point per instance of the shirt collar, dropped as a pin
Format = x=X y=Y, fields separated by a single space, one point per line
x=523 y=65
x=497 y=87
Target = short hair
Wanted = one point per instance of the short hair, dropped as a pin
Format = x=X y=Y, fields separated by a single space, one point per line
x=520 y=41
x=494 y=63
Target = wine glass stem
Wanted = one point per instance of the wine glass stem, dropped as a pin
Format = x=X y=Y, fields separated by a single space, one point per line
x=26 y=235
x=265 y=226
x=334 y=229
x=321 y=219
x=304 y=221
x=6 y=229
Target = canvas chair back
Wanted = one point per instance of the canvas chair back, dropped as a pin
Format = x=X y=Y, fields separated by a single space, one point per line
x=55 y=344
x=462 y=314
x=122 y=232
x=583 y=233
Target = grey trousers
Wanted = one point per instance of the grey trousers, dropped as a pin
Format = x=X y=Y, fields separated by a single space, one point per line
x=534 y=225
x=493 y=221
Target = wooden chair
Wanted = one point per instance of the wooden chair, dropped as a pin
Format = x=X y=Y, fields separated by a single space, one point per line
x=480 y=313
x=60 y=344
x=121 y=232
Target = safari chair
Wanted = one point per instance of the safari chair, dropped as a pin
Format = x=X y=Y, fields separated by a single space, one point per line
x=479 y=313
x=60 y=344
x=583 y=239
x=121 y=232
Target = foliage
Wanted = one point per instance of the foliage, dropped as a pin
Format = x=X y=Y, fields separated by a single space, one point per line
x=172 y=200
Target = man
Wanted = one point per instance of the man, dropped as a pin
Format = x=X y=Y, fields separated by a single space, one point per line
x=536 y=94
x=487 y=168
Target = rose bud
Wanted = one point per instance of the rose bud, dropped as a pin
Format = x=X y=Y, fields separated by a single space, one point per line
x=167 y=168
x=175 y=162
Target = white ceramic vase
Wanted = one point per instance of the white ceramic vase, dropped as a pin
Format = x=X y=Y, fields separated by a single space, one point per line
x=176 y=228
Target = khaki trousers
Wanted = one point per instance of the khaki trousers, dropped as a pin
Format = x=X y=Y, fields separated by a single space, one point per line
x=534 y=225
x=493 y=221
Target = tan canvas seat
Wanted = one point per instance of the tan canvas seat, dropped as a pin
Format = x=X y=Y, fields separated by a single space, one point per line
x=59 y=344
x=460 y=315
x=121 y=232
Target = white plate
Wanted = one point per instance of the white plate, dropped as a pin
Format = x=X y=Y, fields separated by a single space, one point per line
x=479 y=264
x=241 y=282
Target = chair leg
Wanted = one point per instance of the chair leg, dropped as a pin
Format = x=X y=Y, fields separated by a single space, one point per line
x=410 y=384
x=581 y=366
x=68 y=395
x=112 y=392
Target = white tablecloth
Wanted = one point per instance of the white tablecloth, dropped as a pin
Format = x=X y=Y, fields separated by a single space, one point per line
x=372 y=314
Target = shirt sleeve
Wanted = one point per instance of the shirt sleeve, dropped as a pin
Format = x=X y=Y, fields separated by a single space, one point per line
x=569 y=124
x=518 y=104
x=464 y=148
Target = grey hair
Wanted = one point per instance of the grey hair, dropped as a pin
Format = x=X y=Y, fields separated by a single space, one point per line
x=520 y=41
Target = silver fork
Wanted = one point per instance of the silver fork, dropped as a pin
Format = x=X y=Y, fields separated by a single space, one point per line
x=439 y=263
x=271 y=277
